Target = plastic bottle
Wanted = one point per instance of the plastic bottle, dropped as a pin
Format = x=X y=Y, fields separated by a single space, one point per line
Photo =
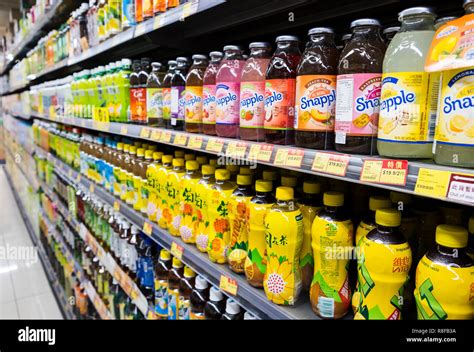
x=201 y=203
x=470 y=244
x=166 y=92
x=147 y=9
x=163 y=213
x=138 y=11
x=444 y=277
x=194 y=90
x=186 y=286
x=359 y=83
x=128 y=13
x=315 y=108
x=178 y=99
x=238 y=216
x=188 y=225
x=209 y=94
x=252 y=92
x=174 y=196
x=367 y=224
x=228 y=92
x=174 y=278
x=159 y=6
x=280 y=86
x=137 y=94
x=332 y=238
x=123 y=86
x=284 y=238
x=154 y=108
x=199 y=298
x=214 y=308
x=409 y=95
x=232 y=311
x=162 y=268
x=217 y=201
x=259 y=207
x=151 y=176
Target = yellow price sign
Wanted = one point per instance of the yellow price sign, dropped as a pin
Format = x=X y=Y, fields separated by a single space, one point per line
x=228 y=285
x=177 y=250
x=329 y=163
x=236 y=149
x=388 y=172
x=145 y=132
x=195 y=142
x=265 y=153
x=78 y=178
x=157 y=22
x=254 y=151
x=215 y=145
x=280 y=157
x=117 y=206
x=180 y=139
x=91 y=188
x=155 y=134
x=295 y=158
x=147 y=228
x=165 y=137
x=123 y=130
x=432 y=183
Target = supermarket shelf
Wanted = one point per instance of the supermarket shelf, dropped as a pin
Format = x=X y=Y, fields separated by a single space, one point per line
x=32 y=180
x=20 y=115
x=249 y=297
x=292 y=158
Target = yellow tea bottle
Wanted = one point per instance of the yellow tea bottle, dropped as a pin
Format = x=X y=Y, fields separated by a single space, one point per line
x=152 y=181
x=310 y=205
x=259 y=206
x=238 y=217
x=367 y=224
x=218 y=202
x=173 y=190
x=283 y=237
x=188 y=188
x=470 y=243
x=202 y=213
x=444 y=278
x=163 y=214
x=383 y=265
x=332 y=238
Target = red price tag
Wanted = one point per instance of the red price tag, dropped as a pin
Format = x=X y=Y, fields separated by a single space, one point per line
x=228 y=285
x=330 y=163
x=147 y=228
x=177 y=250
x=389 y=172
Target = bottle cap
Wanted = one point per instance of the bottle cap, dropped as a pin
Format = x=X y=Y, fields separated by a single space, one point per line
x=189 y=157
x=270 y=175
x=133 y=149
x=249 y=316
x=388 y=217
x=222 y=174
x=179 y=154
x=199 y=57
x=318 y=30
x=415 y=11
x=287 y=38
x=192 y=165
x=171 y=62
x=333 y=199
x=213 y=162
x=149 y=154
x=390 y=30
x=245 y=170
x=140 y=152
x=188 y=272
x=216 y=55
x=284 y=193
x=470 y=225
x=232 y=307
x=126 y=148
x=178 y=162
x=232 y=47
x=255 y=45
x=165 y=255
x=201 y=283
x=466 y=3
x=310 y=187
x=177 y=263
x=215 y=294
x=289 y=181
x=138 y=144
x=208 y=170
x=376 y=202
x=263 y=186
x=157 y=155
x=233 y=169
x=452 y=236
x=244 y=180
x=365 y=22
x=119 y=146
x=166 y=159
x=201 y=159
x=397 y=197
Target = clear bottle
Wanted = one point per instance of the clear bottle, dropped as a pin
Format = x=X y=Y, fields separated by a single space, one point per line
x=389 y=32
x=201 y=203
x=154 y=97
x=199 y=298
x=166 y=100
x=175 y=275
x=186 y=286
x=209 y=94
x=232 y=311
x=193 y=95
x=173 y=188
x=178 y=99
x=162 y=268
x=215 y=307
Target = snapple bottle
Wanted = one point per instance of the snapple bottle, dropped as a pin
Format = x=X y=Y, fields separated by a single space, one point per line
x=252 y=92
x=280 y=86
x=137 y=94
x=228 y=92
x=194 y=82
x=209 y=94
x=178 y=84
x=166 y=92
x=359 y=84
x=315 y=107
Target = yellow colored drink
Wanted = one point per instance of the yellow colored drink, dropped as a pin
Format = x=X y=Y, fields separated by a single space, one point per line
x=189 y=218
x=173 y=195
x=367 y=224
x=202 y=208
x=152 y=180
x=163 y=214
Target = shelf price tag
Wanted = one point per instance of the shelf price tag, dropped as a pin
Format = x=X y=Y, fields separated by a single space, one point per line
x=147 y=228
x=155 y=135
x=78 y=178
x=215 y=145
x=151 y=315
x=157 y=22
x=329 y=163
x=91 y=188
x=461 y=188
x=180 y=139
x=265 y=153
x=253 y=153
x=195 y=142
x=140 y=29
x=70 y=173
x=145 y=132
x=295 y=158
x=123 y=129
x=117 y=206
x=83 y=123
x=228 y=285
x=189 y=8
x=280 y=157
x=177 y=250
x=389 y=172
x=165 y=137
x=236 y=149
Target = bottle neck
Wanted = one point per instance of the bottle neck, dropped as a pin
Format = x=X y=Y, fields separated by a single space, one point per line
x=216 y=60
x=287 y=47
x=260 y=53
x=470 y=9
x=321 y=39
x=233 y=55
x=366 y=33
x=262 y=194
x=417 y=23
x=200 y=62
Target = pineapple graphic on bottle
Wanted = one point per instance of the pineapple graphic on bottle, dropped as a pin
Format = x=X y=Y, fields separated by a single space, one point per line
x=163 y=214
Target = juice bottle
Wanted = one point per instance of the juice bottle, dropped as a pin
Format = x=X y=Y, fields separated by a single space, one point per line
x=217 y=200
x=209 y=94
x=147 y=9
x=284 y=237
x=202 y=160
x=178 y=99
x=470 y=244
x=214 y=308
x=130 y=166
x=409 y=95
x=123 y=87
x=117 y=173
x=232 y=311
x=270 y=175
x=151 y=176
x=238 y=217
x=186 y=286
x=102 y=20
x=444 y=277
x=194 y=82
x=252 y=92
x=332 y=238
x=159 y=6
x=154 y=102
x=259 y=207
x=162 y=268
x=443 y=20
x=144 y=187
x=234 y=171
x=166 y=92
x=143 y=75
x=173 y=189
x=367 y=224
x=187 y=229
x=403 y=203
x=315 y=108
x=137 y=94
x=383 y=266
x=123 y=172
x=163 y=213
x=128 y=13
x=280 y=83
x=310 y=204
x=139 y=11
x=199 y=298
x=174 y=278
x=137 y=179
x=173 y=3
x=358 y=89
x=228 y=92
x=203 y=188
x=388 y=34
x=114 y=17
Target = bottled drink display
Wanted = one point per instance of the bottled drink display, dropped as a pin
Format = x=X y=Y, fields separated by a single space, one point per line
x=194 y=94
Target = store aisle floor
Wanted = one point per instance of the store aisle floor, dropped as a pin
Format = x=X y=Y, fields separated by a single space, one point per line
x=24 y=289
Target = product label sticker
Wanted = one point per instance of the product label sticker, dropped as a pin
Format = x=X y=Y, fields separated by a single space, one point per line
x=329 y=163
x=166 y=102
x=193 y=113
x=252 y=104
x=154 y=102
x=461 y=188
x=280 y=104
x=236 y=149
x=123 y=130
x=215 y=145
x=195 y=142
x=227 y=103
x=177 y=250
x=165 y=136
x=91 y=188
x=281 y=156
x=155 y=135
x=180 y=139
x=265 y=153
x=432 y=183
x=254 y=151
x=389 y=172
x=209 y=104
x=145 y=132
x=228 y=285
x=117 y=205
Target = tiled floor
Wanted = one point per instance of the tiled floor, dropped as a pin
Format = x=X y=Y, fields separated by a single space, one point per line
x=24 y=289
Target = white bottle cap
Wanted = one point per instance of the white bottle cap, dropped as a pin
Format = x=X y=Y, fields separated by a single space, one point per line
x=201 y=283
x=249 y=316
x=232 y=307
x=215 y=294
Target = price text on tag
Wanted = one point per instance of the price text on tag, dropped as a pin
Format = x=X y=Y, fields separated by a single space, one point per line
x=180 y=139
x=165 y=137
x=265 y=153
x=331 y=163
x=177 y=250
x=195 y=142
x=155 y=135
x=388 y=172
x=228 y=285
x=147 y=228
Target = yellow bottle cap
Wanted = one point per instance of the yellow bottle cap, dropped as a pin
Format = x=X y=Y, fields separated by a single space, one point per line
x=397 y=197
x=213 y=162
x=208 y=170
x=388 y=217
x=149 y=154
x=177 y=263
x=120 y=146
x=452 y=236
x=233 y=169
x=133 y=149
x=201 y=159
x=179 y=154
x=165 y=255
x=376 y=202
x=153 y=148
x=222 y=174
x=289 y=181
x=270 y=175
x=140 y=152
x=178 y=162
x=158 y=155
x=192 y=165
x=244 y=180
x=311 y=187
x=188 y=272
x=263 y=186
x=246 y=170
x=126 y=148
x=167 y=159
x=189 y=157
x=284 y=193
x=470 y=225
x=333 y=199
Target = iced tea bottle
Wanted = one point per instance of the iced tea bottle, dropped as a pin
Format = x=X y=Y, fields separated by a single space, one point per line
x=186 y=286
x=175 y=275
x=228 y=92
x=194 y=88
x=162 y=268
x=178 y=101
x=137 y=94
x=315 y=109
x=209 y=94
x=280 y=83
x=359 y=83
x=199 y=298
x=215 y=307
x=252 y=92
x=154 y=102
x=166 y=92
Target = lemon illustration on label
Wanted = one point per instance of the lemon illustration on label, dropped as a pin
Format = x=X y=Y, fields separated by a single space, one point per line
x=458 y=123
x=443 y=48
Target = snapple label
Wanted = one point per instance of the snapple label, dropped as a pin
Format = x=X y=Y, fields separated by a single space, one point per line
x=252 y=104
x=193 y=104
x=227 y=100
x=209 y=104
x=279 y=104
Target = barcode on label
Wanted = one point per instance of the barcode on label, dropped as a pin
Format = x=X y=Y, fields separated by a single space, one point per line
x=326 y=307
x=340 y=137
